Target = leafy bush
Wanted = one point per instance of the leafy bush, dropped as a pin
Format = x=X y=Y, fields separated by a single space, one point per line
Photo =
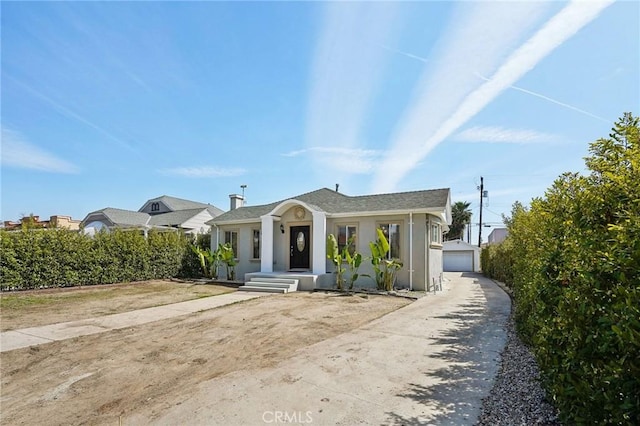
x=36 y=258
x=575 y=270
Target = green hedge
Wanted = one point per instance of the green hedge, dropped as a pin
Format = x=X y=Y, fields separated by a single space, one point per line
x=36 y=258
x=496 y=261
x=575 y=269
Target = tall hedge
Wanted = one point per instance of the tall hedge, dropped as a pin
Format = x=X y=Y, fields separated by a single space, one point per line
x=36 y=258
x=575 y=270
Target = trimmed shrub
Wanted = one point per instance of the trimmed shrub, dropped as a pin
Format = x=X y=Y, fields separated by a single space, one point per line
x=37 y=258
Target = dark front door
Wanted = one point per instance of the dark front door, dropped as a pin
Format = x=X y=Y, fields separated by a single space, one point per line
x=299 y=247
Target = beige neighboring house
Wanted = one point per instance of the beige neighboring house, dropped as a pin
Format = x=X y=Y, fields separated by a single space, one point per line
x=57 y=221
x=288 y=238
x=497 y=235
x=165 y=212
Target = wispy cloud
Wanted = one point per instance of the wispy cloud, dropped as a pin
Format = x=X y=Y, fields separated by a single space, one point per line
x=17 y=152
x=69 y=113
x=497 y=134
x=346 y=72
x=437 y=114
x=203 y=172
x=346 y=160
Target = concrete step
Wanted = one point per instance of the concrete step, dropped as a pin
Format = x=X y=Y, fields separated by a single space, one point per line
x=275 y=280
x=247 y=287
x=263 y=284
x=289 y=284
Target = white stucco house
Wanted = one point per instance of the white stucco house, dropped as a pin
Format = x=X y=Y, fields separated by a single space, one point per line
x=459 y=256
x=157 y=213
x=288 y=237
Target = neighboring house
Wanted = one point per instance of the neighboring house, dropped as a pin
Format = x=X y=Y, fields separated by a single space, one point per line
x=289 y=237
x=497 y=235
x=158 y=213
x=459 y=256
x=57 y=221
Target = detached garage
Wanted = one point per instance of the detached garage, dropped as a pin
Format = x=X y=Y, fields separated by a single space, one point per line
x=458 y=256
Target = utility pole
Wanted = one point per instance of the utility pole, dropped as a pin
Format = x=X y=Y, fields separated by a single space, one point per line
x=480 y=227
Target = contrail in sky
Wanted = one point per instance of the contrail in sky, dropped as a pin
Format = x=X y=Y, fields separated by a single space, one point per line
x=546 y=98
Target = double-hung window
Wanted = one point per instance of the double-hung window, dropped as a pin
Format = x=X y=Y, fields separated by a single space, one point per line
x=436 y=233
x=392 y=232
x=231 y=237
x=347 y=234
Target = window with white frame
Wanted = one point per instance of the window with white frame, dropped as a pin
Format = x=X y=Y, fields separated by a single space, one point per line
x=346 y=233
x=436 y=233
x=255 y=243
x=392 y=232
x=231 y=237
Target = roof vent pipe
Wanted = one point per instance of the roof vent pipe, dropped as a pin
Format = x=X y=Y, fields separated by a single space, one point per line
x=337 y=187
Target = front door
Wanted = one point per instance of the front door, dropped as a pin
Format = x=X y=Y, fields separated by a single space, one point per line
x=299 y=247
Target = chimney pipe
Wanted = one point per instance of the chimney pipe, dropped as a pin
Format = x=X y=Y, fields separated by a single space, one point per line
x=237 y=201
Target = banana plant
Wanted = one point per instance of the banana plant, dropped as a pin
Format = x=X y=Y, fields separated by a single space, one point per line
x=384 y=269
x=208 y=261
x=335 y=255
x=353 y=262
x=228 y=257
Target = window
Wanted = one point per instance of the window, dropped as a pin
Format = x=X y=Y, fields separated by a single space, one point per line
x=231 y=237
x=346 y=232
x=255 y=243
x=392 y=232
x=436 y=233
x=155 y=207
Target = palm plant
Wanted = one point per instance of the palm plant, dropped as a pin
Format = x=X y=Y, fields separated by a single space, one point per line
x=460 y=217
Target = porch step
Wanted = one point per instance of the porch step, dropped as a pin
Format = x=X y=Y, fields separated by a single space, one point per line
x=262 y=289
x=273 y=285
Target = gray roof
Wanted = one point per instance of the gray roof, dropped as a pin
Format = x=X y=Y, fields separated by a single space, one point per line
x=119 y=217
x=333 y=202
x=176 y=204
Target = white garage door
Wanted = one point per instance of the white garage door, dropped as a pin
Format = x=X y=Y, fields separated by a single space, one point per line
x=458 y=261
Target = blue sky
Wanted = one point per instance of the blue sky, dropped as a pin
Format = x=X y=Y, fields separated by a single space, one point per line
x=108 y=104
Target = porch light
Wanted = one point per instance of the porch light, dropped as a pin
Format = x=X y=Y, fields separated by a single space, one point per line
x=282 y=228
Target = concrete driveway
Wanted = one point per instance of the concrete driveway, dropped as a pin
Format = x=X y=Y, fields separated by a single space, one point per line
x=431 y=362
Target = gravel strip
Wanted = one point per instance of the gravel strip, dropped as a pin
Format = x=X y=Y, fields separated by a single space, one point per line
x=517 y=397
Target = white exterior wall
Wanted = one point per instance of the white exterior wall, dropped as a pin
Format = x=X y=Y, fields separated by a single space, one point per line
x=196 y=224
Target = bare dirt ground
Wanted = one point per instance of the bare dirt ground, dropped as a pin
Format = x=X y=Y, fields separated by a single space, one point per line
x=100 y=379
x=40 y=307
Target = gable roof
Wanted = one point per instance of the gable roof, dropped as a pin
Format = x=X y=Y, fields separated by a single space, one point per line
x=335 y=203
x=119 y=217
x=175 y=204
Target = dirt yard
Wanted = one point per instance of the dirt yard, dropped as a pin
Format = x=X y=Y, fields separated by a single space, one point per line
x=104 y=378
x=40 y=307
